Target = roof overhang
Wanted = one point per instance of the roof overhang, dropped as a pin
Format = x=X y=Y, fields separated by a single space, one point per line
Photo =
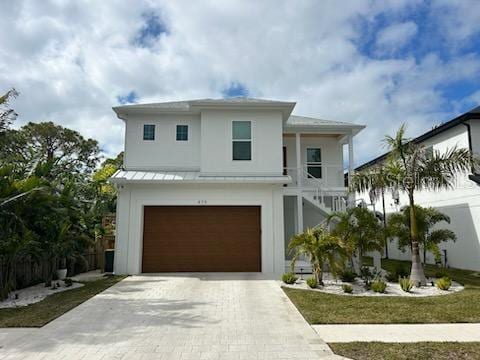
x=197 y=106
x=190 y=177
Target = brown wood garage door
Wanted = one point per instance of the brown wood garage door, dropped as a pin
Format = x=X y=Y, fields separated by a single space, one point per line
x=201 y=238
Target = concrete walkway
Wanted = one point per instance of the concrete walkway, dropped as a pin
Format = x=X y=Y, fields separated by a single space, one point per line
x=403 y=333
x=200 y=316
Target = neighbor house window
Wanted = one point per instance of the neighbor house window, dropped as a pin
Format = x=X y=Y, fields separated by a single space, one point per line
x=182 y=132
x=242 y=140
x=314 y=162
x=148 y=132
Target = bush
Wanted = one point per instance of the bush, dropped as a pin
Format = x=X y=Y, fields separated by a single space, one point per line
x=68 y=282
x=347 y=288
x=312 y=282
x=405 y=284
x=348 y=275
x=379 y=286
x=441 y=273
x=289 y=278
x=443 y=283
x=400 y=271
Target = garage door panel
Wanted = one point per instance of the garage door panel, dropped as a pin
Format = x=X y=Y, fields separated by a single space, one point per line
x=207 y=238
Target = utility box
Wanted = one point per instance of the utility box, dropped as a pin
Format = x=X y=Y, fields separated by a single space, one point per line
x=109 y=257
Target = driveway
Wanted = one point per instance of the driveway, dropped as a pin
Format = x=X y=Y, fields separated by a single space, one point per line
x=180 y=316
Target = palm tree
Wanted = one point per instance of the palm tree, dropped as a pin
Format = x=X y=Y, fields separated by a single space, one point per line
x=427 y=218
x=378 y=175
x=359 y=229
x=322 y=248
x=414 y=168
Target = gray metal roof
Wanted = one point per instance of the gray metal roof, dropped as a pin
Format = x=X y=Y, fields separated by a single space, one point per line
x=149 y=177
x=295 y=120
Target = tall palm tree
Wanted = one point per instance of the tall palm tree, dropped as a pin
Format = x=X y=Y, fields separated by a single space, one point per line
x=414 y=168
x=321 y=247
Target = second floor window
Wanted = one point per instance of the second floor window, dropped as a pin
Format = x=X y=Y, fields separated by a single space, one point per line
x=148 y=132
x=242 y=140
x=182 y=132
x=314 y=162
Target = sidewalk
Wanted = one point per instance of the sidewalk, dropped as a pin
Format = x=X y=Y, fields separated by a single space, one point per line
x=403 y=333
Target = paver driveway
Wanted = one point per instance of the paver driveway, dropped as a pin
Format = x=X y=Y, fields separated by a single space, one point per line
x=190 y=316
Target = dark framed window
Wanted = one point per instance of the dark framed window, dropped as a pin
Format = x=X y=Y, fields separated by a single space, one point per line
x=242 y=140
x=182 y=132
x=148 y=132
x=314 y=162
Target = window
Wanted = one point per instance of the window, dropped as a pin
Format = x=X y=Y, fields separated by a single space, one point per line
x=429 y=151
x=148 y=132
x=242 y=140
x=182 y=132
x=314 y=162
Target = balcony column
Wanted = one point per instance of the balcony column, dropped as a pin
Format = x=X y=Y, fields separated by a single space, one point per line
x=298 y=153
x=299 y=213
x=351 y=197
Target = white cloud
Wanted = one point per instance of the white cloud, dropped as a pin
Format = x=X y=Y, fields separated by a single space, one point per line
x=396 y=36
x=71 y=61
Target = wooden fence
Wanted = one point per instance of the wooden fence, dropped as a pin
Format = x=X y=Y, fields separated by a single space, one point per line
x=30 y=273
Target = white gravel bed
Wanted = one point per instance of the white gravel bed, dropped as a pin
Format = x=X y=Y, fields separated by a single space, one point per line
x=393 y=289
x=36 y=293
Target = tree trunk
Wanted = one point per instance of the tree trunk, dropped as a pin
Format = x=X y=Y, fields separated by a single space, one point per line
x=384 y=224
x=417 y=275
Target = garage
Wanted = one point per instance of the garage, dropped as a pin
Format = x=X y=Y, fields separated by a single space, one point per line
x=201 y=239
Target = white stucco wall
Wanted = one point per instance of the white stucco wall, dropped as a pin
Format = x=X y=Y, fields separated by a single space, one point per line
x=462 y=204
x=332 y=157
x=132 y=199
x=216 y=147
x=165 y=152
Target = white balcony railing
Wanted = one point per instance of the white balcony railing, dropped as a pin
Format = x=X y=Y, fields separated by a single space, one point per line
x=331 y=175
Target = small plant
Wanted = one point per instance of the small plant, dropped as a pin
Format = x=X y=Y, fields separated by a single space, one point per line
x=348 y=275
x=400 y=271
x=379 y=286
x=68 y=282
x=405 y=284
x=347 y=288
x=289 y=278
x=369 y=275
x=312 y=282
x=443 y=283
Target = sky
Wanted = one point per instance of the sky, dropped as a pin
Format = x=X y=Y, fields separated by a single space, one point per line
x=378 y=63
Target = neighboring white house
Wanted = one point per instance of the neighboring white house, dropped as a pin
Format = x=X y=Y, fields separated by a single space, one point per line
x=462 y=203
x=221 y=185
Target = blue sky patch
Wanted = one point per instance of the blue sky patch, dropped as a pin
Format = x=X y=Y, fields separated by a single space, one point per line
x=130 y=98
x=153 y=28
x=235 y=89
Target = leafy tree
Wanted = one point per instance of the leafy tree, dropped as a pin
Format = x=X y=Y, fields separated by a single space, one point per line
x=53 y=151
x=321 y=248
x=427 y=218
x=413 y=169
x=359 y=229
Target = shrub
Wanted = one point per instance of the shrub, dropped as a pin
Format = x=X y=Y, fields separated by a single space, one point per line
x=405 y=284
x=347 y=288
x=68 y=282
x=289 y=278
x=400 y=271
x=443 y=283
x=312 y=282
x=379 y=286
x=441 y=273
x=348 y=275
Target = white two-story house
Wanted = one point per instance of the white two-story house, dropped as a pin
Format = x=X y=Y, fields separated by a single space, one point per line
x=461 y=203
x=222 y=185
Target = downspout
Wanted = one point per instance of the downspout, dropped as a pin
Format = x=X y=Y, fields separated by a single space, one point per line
x=473 y=176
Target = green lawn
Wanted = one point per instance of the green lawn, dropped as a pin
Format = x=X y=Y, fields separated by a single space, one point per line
x=41 y=313
x=418 y=351
x=464 y=306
